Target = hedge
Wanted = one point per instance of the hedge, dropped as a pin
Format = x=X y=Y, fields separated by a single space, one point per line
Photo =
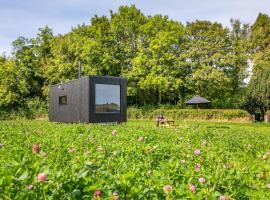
x=31 y=109
x=37 y=108
x=189 y=114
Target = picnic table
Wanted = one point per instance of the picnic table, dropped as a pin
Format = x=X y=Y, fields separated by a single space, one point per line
x=166 y=123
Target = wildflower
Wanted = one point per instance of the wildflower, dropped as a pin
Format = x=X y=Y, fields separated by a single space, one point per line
x=141 y=138
x=167 y=189
x=35 y=148
x=204 y=142
x=100 y=148
x=30 y=187
x=71 y=149
x=268 y=186
x=202 y=180
x=42 y=177
x=43 y=154
x=183 y=161
x=154 y=148
x=223 y=197
x=197 y=167
x=114 y=196
x=87 y=152
x=98 y=194
x=192 y=188
x=89 y=138
x=254 y=186
x=197 y=152
x=265 y=156
x=115 y=153
x=114 y=133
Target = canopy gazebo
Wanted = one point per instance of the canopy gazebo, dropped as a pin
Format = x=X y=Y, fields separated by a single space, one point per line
x=197 y=100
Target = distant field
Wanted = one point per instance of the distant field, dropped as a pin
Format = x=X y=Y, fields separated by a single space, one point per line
x=200 y=160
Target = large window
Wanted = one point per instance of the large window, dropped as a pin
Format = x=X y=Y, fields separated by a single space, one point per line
x=107 y=98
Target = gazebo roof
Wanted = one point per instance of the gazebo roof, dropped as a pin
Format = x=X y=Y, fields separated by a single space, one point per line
x=197 y=100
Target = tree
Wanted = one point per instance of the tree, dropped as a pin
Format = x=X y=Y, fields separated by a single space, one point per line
x=212 y=83
x=260 y=80
x=209 y=45
x=27 y=63
x=260 y=32
x=259 y=86
x=157 y=67
x=163 y=60
x=9 y=84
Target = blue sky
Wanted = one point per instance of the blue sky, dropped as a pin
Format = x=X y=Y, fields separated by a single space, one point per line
x=24 y=17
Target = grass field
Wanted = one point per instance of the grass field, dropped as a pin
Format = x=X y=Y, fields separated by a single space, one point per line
x=200 y=160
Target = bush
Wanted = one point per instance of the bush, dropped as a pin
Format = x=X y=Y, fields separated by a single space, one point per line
x=188 y=114
x=35 y=108
x=32 y=108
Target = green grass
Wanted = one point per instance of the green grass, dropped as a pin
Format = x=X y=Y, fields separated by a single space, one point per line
x=234 y=160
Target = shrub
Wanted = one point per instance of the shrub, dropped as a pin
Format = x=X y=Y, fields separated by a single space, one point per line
x=32 y=108
x=189 y=114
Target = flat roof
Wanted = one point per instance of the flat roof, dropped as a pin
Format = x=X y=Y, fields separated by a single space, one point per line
x=114 y=77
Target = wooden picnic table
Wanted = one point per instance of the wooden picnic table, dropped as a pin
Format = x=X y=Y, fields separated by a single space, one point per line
x=165 y=123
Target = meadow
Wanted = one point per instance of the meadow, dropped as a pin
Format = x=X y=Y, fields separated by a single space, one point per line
x=135 y=160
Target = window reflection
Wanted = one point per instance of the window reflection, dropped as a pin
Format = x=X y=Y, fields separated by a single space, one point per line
x=107 y=98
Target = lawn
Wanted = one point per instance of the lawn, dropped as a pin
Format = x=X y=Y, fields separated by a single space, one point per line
x=200 y=160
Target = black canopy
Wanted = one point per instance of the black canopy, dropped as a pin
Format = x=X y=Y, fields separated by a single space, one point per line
x=197 y=100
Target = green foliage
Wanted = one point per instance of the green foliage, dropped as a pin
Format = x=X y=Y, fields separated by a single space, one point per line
x=219 y=60
x=30 y=109
x=10 y=87
x=157 y=70
x=212 y=84
x=253 y=105
x=259 y=84
x=137 y=163
x=164 y=61
x=260 y=31
x=188 y=114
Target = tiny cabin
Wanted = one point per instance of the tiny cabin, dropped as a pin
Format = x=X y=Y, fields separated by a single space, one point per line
x=95 y=99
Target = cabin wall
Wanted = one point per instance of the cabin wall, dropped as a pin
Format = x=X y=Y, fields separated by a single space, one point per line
x=80 y=106
x=77 y=107
x=84 y=99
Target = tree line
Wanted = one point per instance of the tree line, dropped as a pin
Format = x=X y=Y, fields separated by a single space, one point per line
x=165 y=61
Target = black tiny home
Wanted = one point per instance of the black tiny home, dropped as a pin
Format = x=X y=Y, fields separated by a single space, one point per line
x=95 y=99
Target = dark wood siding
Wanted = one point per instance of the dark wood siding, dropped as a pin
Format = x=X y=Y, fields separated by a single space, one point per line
x=84 y=100
x=77 y=107
x=80 y=105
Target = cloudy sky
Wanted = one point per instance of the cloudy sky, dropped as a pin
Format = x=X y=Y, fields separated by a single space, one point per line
x=24 y=17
